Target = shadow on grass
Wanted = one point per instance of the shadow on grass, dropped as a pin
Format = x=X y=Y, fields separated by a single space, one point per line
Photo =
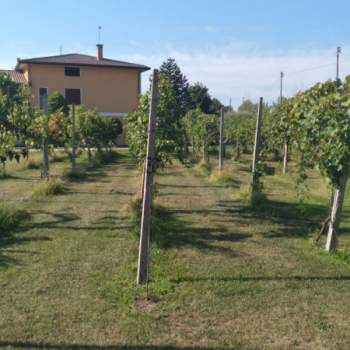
x=34 y=345
x=169 y=231
x=8 y=240
x=262 y=279
x=293 y=219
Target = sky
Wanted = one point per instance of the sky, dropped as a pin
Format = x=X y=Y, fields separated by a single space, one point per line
x=237 y=48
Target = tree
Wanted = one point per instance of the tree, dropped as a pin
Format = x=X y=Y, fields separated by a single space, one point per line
x=202 y=130
x=319 y=123
x=179 y=85
x=239 y=131
x=199 y=98
x=248 y=107
x=170 y=138
x=56 y=102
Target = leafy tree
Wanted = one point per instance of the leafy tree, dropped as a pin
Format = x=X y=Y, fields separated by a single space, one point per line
x=215 y=106
x=239 y=131
x=199 y=98
x=179 y=85
x=202 y=130
x=169 y=135
x=56 y=102
x=248 y=107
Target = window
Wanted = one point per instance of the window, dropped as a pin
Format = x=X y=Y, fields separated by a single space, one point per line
x=73 y=96
x=43 y=99
x=72 y=71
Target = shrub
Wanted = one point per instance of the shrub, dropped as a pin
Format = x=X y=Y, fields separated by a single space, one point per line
x=11 y=218
x=203 y=168
x=50 y=188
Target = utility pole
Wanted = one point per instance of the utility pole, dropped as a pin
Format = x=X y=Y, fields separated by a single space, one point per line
x=281 y=86
x=338 y=57
x=146 y=218
x=221 y=146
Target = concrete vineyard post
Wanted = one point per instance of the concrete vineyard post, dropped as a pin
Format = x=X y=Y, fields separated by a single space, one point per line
x=257 y=146
x=337 y=205
x=221 y=146
x=143 y=260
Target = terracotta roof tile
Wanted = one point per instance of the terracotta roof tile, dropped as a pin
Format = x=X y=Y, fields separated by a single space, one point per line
x=16 y=76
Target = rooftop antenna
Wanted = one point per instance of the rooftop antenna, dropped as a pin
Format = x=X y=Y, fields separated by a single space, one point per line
x=61 y=50
x=99 y=34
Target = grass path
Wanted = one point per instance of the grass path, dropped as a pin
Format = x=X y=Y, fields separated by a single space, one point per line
x=224 y=275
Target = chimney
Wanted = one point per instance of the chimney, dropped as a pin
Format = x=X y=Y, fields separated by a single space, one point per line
x=99 y=51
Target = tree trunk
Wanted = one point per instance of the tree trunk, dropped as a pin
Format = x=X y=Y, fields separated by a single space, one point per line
x=285 y=158
x=338 y=200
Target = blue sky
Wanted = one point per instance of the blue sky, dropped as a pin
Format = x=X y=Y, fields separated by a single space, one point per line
x=237 y=48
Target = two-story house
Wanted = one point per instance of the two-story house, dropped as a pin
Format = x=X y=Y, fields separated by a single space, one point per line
x=109 y=86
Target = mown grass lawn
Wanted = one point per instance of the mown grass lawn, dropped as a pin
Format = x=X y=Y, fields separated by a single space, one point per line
x=224 y=275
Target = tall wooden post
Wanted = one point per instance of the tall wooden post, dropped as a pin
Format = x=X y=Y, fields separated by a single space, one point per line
x=257 y=146
x=73 y=140
x=45 y=167
x=285 y=157
x=143 y=260
x=337 y=205
x=221 y=146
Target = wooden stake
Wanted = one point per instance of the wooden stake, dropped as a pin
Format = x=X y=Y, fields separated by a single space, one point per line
x=257 y=146
x=338 y=200
x=143 y=260
x=73 y=140
x=45 y=167
x=221 y=146
x=285 y=158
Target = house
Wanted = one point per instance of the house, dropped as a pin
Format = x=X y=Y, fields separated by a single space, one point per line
x=109 y=86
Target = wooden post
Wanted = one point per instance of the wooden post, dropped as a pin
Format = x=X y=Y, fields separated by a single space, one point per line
x=142 y=189
x=73 y=140
x=257 y=144
x=143 y=260
x=221 y=146
x=45 y=167
x=285 y=158
x=338 y=200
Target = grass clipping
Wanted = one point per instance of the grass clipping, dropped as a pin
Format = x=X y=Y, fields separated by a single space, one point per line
x=50 y=188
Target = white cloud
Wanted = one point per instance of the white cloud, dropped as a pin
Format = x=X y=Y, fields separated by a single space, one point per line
x=242 y=70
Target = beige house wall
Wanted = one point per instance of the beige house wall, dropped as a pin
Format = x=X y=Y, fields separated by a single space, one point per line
x=106 y=89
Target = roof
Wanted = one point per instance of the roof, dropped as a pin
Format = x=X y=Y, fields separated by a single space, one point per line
x=81 y=60
x=16 y=76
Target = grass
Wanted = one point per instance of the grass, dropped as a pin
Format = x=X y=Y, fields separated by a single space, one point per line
x=10 y=218
x=52 y=187
x=31 y=164
x=224 y=274
x=203 y=168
